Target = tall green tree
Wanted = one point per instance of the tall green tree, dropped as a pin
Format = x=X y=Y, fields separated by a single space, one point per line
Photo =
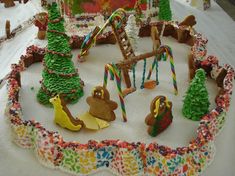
x=164 y=10
x=196 y=101
x=59 y=74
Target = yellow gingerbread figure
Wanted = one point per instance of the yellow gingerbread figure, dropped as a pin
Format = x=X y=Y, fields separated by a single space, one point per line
x=63 y=117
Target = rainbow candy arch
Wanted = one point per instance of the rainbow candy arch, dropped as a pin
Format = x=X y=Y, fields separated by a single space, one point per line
x=120 y=157
x=90 y=41
x=169 y=54
x=115 y=72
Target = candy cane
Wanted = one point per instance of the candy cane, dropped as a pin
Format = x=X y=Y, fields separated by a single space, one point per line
x=87 y=44
x=117 y=73
x=170 y=56
x=173 y=75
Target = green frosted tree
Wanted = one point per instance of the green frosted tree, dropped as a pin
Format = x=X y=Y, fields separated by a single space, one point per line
x=59 y=74
x=196 y=101
x=164 y=10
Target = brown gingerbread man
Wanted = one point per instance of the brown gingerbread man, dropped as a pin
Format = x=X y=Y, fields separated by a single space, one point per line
x=41 y=22
x=160 y=116
x=100 y=104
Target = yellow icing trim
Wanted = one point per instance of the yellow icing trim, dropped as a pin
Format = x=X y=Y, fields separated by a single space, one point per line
x=167 y=103
x=157 y=104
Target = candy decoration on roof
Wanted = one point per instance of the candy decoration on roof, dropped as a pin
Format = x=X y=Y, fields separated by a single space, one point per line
x=196 y=102
x=138 y=11
x=59 y=75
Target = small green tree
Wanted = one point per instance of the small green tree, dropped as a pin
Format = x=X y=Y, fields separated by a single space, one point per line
x=59 y=74
x=164 y=10
x=196 y=100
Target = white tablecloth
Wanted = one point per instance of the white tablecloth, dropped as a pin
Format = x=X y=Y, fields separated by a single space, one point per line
x=217 y=26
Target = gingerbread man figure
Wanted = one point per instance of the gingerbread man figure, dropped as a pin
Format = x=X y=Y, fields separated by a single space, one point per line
x=160 y=116
x=100 y=104
x=41 y=22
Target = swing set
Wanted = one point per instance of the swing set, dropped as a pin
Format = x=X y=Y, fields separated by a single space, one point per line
x=114 y=70
x=121 y=69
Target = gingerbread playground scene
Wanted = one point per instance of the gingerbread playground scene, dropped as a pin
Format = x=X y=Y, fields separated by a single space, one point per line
x=98 y=87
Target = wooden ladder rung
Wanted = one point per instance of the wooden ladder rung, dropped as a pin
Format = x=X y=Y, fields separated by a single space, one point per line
x=128 y=49
x=122 y=35
x=130 y=54
x=125 y=43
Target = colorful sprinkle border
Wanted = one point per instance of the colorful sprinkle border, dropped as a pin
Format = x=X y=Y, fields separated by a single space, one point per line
x=121 y=157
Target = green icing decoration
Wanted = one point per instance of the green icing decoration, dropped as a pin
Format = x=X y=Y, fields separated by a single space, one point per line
x=164 y=10
x=43 y=98
x=196 y=101
x=59 y=71
x=71 y=160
